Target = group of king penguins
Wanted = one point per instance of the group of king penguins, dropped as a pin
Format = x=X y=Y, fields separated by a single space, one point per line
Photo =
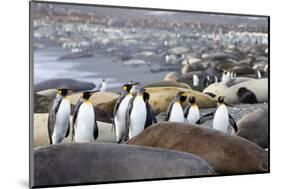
x=131 y=115
x=84 y=122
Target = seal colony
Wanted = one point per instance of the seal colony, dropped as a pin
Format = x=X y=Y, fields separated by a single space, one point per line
x=202 y=112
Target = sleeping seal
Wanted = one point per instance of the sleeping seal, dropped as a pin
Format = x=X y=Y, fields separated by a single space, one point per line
x=254 y=127
x=98 y=163
x=227 y=154
x=72 y=84
x=258 y=87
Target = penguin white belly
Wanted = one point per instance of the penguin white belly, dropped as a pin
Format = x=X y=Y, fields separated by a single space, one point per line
x=85 y=121
x=137 y=117
x=120 y=118
x=193 y=115
x=62 y=121
x=221 y=120
x=177 y=113
x=103 y=87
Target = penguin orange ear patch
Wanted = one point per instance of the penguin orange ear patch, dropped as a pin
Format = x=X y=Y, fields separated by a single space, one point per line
x=125 y=88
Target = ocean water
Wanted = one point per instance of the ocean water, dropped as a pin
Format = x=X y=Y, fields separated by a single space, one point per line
x=48 y=66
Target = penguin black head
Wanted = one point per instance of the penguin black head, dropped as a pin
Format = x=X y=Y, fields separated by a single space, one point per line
x=127 y=87
x=103 y=79
x=221 y=99
x=191 y=99
x=87 y=94
x=63 y=91
x=182 y=96
x=146 y=97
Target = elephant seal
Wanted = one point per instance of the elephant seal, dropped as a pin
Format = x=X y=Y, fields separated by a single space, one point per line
x=42 y=104
x=103 y=102
x=171 y=76
x=254 y=127
x=227 y=154
x=259 y=87
x=216 y=88
x=98 y=163
x=191 y=67
x=51 y=93
x=160 y=98
x=72 y=84
x=167 y=84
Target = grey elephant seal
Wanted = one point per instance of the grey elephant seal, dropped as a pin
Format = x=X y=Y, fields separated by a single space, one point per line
x=95 y=163
x=227 y=154
x=72 y=84
x=254 y=127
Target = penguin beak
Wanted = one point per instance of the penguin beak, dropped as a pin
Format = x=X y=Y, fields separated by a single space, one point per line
x=136 y=83
x=69 y=92
x=94 y=91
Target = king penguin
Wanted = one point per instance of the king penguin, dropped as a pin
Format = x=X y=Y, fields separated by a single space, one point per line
x=84 y=122
x=175 y=111
x=119 y=112
x=137 y=113
x=191 y=112
x=221 y=117
x=58 y=119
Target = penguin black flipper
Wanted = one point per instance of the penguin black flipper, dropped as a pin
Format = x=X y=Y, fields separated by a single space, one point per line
x=150 y=116
x=246 y=96
x=76 y=110
x=233 y=123
x=169 y=110
x=119 y=100
x=186 y=110
x=96 y=130
x=68 y=129
x=128 y=113
x=52 y=117
x=206 y=116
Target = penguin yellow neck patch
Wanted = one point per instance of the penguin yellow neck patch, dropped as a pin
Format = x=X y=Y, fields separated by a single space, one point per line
x=194 y=105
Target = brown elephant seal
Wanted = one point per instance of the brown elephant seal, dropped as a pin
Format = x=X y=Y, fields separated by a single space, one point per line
x=98 y=163
x=168 y=84
x=160 y=98
x=42 y=104
x=227 y=154
x=103 y=102
x=51 y=93
x=254 y=127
